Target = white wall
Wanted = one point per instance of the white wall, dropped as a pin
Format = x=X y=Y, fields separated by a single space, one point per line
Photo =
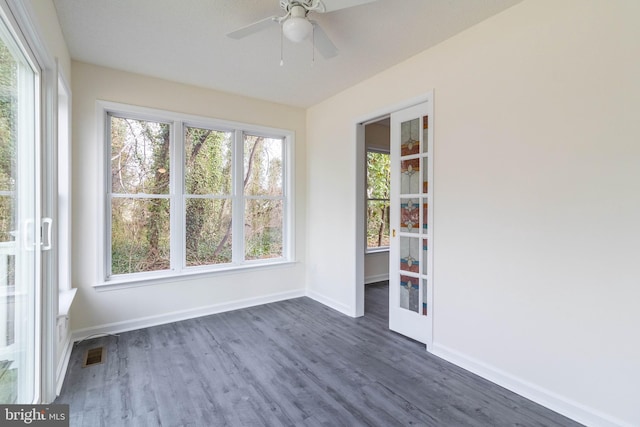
x=376 y=267
x=537 y=200
x=96 y=311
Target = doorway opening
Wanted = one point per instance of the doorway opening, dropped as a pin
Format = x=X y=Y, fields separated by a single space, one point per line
x=377 y=181
x=407 y=132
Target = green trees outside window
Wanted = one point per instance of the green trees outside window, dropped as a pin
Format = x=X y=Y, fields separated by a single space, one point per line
x=378 y=192
x=197 y=209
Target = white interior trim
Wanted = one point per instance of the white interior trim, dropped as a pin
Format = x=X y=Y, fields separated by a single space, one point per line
x=376 y=278
x=331 y=303
x=547 y=398
x=176 y=316
x=63 y=363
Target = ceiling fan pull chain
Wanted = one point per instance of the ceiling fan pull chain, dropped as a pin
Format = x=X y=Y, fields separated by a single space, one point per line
x=313 y=45
x=281 y=46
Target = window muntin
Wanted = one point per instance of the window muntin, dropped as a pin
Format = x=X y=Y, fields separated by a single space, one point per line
x=219 y=201
x=378 y=192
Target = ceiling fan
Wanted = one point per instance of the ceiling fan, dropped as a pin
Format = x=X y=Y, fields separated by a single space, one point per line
x=296 y=26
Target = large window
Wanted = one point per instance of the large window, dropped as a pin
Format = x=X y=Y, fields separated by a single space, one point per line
x=187 y=195
x=378 y=192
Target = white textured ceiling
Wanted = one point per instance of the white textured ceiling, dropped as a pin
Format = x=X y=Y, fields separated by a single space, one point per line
x=184 y=41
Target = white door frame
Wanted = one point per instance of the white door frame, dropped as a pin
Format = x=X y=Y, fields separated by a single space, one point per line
x=360 y=170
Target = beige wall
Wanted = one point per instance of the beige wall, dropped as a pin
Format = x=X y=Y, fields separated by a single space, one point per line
x=51 y=33
x=536 y=199
x=93 y=309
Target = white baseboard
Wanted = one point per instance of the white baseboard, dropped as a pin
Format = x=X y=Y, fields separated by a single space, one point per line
x=147 y=322
x=376 y=278
x=61 y=371
x=338 y=306
x=555 y=402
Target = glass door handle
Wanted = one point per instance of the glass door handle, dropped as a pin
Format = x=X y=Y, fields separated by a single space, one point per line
x=393 y=233
x=48 y=222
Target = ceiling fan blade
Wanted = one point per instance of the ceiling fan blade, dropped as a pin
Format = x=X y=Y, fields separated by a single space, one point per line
x=253 y=28
x=332 y=5
x=322 y=42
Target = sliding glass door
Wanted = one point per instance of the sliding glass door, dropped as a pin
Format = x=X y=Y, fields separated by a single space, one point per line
x=19 y=222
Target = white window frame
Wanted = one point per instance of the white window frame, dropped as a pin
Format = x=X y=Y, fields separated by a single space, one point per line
x=367 y=249
x=178 y=269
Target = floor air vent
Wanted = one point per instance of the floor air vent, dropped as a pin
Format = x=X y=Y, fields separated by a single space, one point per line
x=93 y=356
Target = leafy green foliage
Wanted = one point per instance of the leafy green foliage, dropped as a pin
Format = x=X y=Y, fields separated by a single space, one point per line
x=263 y=216
x=378 y=193
x=8 y=106
x=263 y=229
x=208 y=172
x=139 y=166
x=140 y=221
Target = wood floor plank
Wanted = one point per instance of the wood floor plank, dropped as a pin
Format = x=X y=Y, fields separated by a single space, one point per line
x=291 y=363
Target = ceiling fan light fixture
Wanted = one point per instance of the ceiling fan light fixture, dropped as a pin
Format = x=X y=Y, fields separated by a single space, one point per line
x=297 y=29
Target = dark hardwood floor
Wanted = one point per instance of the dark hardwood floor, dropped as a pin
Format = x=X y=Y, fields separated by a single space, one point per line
x=290 y=363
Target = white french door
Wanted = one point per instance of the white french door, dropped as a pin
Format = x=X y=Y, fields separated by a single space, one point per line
x=411 y=245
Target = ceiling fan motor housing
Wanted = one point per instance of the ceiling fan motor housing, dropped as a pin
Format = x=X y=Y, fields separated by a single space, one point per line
x=315 y=5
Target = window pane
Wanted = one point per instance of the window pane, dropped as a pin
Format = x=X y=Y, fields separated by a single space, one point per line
x=262 y=166
x=207 y=161
x=139 y=235
x=208 y=231
x=7 y=222
x=263 y=229
x=139 y=156
x=410 y=137
x=410 y=178
x=377 y=223
x=378 y=175
x=378 y=192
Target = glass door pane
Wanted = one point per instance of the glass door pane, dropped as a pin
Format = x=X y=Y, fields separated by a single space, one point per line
x=19 y=224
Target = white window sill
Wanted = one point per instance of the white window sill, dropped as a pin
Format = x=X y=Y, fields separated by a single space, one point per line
x=171 y=276
x=376 y=250
x=65 y=299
